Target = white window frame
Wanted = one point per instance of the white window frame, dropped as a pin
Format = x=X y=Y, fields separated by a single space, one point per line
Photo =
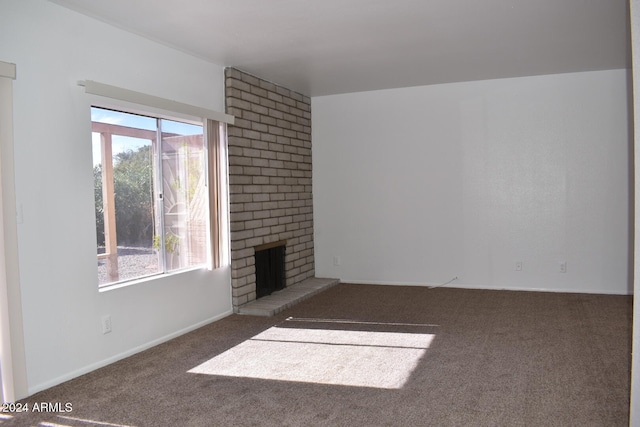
x=119 y=99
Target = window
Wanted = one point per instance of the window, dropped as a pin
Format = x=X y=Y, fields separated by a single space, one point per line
x=151 y=195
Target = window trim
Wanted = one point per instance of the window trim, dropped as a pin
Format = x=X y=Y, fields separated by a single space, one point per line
x=156 y=102
x=112 y=97
x=214 y=133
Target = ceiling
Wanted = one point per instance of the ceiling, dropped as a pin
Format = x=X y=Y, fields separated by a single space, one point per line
x=322 y=47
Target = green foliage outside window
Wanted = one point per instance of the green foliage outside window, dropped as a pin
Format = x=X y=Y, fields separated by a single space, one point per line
x=133 y=187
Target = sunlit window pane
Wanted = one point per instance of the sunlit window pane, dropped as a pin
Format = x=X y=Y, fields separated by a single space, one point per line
x=150 y=195
x=184 y=195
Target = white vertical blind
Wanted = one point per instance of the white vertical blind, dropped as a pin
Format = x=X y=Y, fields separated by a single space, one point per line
x=12 y=352
x=215 y=190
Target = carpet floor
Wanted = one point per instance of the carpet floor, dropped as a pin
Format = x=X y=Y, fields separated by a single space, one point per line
x=365 y=355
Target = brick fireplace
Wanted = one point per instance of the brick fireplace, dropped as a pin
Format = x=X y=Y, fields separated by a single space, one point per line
x=269 y=179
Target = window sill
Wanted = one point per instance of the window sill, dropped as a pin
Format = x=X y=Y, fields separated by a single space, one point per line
x=146 y=279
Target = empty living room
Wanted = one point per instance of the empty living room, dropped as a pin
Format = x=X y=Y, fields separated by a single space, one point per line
x=305 y=213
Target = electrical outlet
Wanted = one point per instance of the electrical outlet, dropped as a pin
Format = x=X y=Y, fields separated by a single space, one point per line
x=106 y=324
x=518 y=265
x=337 y=261
x=563 y=267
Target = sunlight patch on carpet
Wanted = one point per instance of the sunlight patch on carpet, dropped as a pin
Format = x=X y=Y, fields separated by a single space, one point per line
x=338 y=357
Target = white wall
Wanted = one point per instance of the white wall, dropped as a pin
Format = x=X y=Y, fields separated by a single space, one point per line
x=53 y=49
x=419 y=185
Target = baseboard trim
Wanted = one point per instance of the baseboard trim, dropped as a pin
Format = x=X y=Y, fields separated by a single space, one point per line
x=484 y=287
x=92 y=367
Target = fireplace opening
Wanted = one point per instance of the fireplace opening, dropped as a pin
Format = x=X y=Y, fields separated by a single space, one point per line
x=269 y=268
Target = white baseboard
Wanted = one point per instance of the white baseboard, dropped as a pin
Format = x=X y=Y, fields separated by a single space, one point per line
x=485 y=287
x=92 y=367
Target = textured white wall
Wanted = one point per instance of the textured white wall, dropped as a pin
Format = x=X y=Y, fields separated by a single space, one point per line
x=418 y=185
x=53 y=49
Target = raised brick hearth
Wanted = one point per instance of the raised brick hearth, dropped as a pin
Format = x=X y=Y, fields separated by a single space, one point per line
x=269 y=179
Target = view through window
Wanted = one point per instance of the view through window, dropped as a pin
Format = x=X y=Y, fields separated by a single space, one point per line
x=150 y=195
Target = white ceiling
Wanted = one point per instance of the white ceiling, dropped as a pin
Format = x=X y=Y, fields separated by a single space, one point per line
x=321 y=47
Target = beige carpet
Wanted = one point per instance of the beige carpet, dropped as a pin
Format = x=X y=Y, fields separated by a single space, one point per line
x=360 y=355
